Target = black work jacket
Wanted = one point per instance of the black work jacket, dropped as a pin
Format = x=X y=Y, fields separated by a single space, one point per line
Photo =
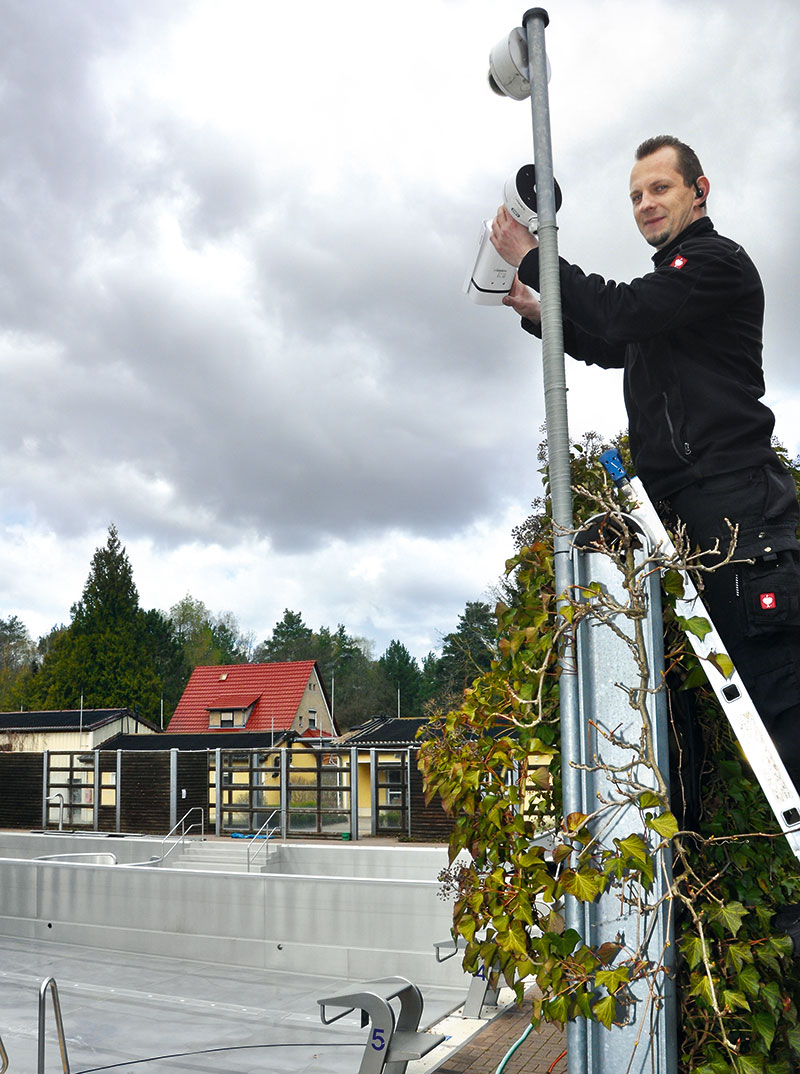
x=688 y=336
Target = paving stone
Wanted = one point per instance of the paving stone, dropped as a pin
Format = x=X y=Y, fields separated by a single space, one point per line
x=539 y=1053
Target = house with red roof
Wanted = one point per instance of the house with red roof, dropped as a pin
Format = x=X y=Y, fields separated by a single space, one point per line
x=273 y=698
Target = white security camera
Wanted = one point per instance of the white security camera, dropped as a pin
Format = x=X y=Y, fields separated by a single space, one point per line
x=491 y=277
x=509 y=75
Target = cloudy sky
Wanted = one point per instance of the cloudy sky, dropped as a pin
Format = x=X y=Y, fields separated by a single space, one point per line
x=234 y=236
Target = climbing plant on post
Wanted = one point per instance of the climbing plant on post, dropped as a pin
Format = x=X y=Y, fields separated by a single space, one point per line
x=496 y=764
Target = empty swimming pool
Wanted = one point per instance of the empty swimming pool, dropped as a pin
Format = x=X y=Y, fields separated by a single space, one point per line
x=153 y=959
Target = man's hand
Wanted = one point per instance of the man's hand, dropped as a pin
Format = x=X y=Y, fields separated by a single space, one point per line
x=524 y=301
x=511 y=240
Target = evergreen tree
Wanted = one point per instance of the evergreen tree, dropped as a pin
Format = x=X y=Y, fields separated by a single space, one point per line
x=291 y=640
x=168 y=659
x=106 y=655
x=400 y=672
x=17 y=656
x=428 y=684
x=466 y=653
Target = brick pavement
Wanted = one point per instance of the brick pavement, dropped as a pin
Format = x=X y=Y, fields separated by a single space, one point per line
x=538 y=1054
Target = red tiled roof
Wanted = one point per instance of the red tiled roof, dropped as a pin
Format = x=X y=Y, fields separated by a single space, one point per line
x=233 y=701
x=278 y=687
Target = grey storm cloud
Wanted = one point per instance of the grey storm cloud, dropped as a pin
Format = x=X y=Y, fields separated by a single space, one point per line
x=249 y=324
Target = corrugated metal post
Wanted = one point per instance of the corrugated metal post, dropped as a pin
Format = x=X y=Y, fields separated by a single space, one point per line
x=645 y=1039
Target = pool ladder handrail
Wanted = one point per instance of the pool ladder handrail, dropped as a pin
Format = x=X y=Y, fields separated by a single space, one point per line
x=181 y=839
x=252 y=839
x=50 y=982
x=60 y=798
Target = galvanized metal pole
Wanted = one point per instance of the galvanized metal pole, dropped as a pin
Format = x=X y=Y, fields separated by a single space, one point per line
x=558 y=458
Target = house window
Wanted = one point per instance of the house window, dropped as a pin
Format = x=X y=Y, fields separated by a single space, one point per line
x=394 y=791
x=229 y=717
x=312 y=718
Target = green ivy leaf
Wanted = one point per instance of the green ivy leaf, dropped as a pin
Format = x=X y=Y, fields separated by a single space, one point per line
x=694 y=950
x=585 y=885
x=702 y=989
x=605 y=1011
x=739 y=955
x=749 y=980
x=648 y=800
x=673 y=583
x=634 y=848
x=665 y=824
x=749 y=1064
x=722 y=662
x=764 y=1024
x=613 y=979
x=557 y=1009
x=734 y=1000
x=730 y=915
x=695 y=624
x=793 y=1039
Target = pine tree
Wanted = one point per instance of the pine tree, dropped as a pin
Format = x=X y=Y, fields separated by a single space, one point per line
x=466 y=652
x=400 y=672
x=107 y=656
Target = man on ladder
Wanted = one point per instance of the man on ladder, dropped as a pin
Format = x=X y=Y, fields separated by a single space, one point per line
x=688 y=336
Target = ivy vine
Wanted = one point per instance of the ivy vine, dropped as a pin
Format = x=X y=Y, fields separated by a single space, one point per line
x=496 y=765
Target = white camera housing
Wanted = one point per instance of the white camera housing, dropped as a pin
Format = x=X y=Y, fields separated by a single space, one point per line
x=491 y=276
x=509 y=73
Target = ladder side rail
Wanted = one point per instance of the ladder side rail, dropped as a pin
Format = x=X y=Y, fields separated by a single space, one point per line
x=50 y=983
x=735 y=701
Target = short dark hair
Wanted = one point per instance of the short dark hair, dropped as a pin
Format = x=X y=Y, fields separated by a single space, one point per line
x=689 y=166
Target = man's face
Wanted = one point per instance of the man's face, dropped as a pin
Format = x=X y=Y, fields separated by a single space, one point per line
x=663 y=205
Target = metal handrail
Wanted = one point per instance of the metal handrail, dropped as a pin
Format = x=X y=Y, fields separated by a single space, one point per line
x=60 y=797
x=50 y=982
x=83 y=856
x=184 y=831
x=258 y=833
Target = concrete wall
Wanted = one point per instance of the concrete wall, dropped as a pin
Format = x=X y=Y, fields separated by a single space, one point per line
x=36 y=844
x=349 y=927
x=355 y=860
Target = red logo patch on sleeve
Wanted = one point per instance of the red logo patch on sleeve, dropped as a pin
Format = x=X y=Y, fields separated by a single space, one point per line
x=768 y=602
x=677 y=262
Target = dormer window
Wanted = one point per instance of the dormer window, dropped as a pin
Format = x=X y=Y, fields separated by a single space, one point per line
x=231 y=711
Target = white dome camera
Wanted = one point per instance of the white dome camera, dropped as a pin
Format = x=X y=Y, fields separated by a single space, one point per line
x=509 y=74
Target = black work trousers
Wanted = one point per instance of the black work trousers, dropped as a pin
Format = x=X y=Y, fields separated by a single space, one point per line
x=755 y=606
